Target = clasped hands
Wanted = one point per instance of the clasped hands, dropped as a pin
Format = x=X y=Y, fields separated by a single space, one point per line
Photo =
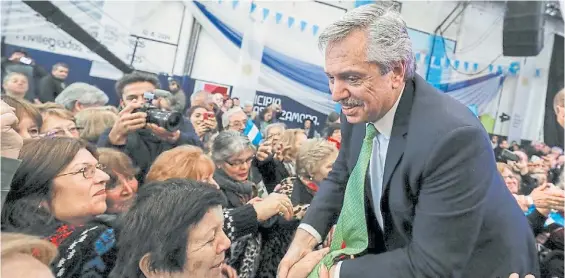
x=300 y=259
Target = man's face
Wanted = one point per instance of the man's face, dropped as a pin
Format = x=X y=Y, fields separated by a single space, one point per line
x=237 y=122
x=504 y=144
x=173 y=87
x=60 y=73
x=248 y=109
x=135 y=91
x=236 y=102
x=365 y=95
x=560 y=115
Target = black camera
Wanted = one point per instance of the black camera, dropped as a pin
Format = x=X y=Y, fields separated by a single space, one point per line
x=509 y=156
x=168 y=120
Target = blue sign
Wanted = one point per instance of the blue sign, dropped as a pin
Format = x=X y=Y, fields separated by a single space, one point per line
x=294 y=113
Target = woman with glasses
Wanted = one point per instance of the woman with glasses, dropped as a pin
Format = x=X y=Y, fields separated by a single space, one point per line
x=56 y=193
x=59 y=123
x=232 y=153
x=30 y=119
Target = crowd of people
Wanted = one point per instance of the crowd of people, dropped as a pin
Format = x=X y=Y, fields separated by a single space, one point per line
x=91 y=190
x=106 y=188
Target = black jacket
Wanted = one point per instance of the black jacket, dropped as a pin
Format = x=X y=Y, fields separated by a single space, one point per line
x=49 y=88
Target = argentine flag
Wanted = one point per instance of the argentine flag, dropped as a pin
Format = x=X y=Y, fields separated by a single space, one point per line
x=252 y=132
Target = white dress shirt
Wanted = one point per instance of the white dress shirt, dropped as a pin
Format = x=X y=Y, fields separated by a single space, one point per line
x=376 y=170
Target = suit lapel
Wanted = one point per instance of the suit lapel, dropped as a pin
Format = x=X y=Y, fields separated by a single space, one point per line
x=397 y=141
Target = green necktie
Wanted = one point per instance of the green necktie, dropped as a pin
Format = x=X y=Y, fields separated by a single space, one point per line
x=351 y=228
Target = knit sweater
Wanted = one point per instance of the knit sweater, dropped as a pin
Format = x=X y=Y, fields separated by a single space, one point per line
x=240 y=221
x=84 y=251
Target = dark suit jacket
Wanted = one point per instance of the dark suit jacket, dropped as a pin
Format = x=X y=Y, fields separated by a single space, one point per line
x=446 y=209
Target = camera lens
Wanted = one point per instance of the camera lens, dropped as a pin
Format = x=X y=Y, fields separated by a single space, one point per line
x=170 y=121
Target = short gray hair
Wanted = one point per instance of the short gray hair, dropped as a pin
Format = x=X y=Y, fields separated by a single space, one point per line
x=282 y=126
x=229 y=143
x=311 y=154
x=83 y=93
x=388 y=43
x=197 y=94
x=227 y=115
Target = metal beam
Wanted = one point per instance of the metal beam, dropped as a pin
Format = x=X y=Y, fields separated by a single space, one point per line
x=54 y=15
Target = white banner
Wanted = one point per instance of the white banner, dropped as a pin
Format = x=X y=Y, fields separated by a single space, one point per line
x=249 y=66
x=521 y=99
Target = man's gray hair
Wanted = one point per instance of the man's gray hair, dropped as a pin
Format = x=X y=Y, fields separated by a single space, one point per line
x=229 y=143
x=388 y=43
x=227 y=115
x=85 y=94
x=198 y=94
x=282 y=126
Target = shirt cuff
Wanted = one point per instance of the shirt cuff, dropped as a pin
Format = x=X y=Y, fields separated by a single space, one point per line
x=337 y=269
x=311 y=231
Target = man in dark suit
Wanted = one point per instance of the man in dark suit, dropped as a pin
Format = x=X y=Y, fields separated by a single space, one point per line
x=434 y=203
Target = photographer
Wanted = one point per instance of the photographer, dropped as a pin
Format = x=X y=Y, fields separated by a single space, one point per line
x=132 y=134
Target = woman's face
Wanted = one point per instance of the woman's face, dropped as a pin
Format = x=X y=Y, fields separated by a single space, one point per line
x=274 y=135
x=324 y=168
x=307 y=124
x=120 y=196
x=197 y=116
x=268 y=115
x=229 y=103
x=54 y=126
x=237 y=167
x=27 y=128
x=79 y=190
x=510 y=180
x=17 y=85
x=206 y=247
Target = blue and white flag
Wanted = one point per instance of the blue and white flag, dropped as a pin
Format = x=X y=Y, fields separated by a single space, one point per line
x=253 y=133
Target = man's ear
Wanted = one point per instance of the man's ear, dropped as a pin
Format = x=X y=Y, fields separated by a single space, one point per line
x=144 y=265
x=398 y=73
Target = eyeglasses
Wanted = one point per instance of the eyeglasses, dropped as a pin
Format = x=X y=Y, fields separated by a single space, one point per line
x=88 y=171
x=238 y=163
x=237 y=124
x=58 y=132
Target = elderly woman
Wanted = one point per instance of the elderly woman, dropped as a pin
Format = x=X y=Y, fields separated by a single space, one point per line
x=314 y=161
x=94 y=121
x=59 y=123
x=16 y=85
x=29 y=118
x=79 y=96
x=232 y=152
x=174 y=229
x=121 y=189
x=56 y=193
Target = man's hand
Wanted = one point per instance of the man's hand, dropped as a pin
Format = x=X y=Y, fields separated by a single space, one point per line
x=301 y=246
x=11 y=141
x=171 y=137
x=264 y=151
x=126 y=123
x=307 y=264
x=546 y=198
x=520 y=166
x=325 y=273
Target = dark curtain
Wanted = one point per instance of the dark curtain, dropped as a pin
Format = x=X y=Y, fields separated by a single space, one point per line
x=552 y=131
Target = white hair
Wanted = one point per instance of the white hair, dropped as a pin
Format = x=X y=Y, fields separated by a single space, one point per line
x=388 y=43
x=85 y=94
x=198 y=94
x=227 y=115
